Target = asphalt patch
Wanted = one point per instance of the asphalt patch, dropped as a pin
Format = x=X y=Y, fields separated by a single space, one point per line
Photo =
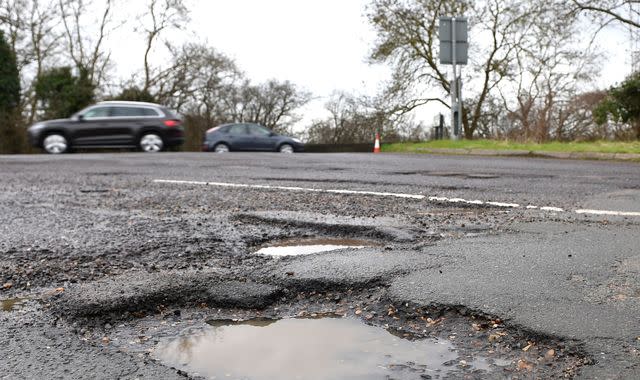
x=380 y=228
x=151 y=292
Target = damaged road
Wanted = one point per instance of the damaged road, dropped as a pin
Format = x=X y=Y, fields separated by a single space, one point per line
x=101 y=262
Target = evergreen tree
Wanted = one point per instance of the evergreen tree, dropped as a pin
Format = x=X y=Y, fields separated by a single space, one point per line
x=135 y=94
x=622 y=104
x=62 y=94
x=12 y=135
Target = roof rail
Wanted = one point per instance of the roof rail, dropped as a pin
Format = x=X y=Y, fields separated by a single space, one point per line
x=129 y=103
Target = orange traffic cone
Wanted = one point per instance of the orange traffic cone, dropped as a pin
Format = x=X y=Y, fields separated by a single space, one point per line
x=376 y=146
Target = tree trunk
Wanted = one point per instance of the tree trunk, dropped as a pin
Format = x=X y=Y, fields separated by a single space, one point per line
x=468 y=129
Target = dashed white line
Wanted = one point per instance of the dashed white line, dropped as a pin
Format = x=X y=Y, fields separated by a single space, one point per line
x=398 y=195
x=553 y=209
x=501 y=204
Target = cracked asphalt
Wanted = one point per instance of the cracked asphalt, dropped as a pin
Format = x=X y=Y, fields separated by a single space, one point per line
x=105 y=262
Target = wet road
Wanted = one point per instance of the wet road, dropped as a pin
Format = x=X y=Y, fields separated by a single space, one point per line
x=548 y=246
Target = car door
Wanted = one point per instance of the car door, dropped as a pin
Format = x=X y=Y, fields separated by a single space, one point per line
x=125 y=121
x=238 y=137
x=261 y=138
x=91 y=127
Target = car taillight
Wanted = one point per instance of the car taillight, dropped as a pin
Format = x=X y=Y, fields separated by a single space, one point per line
x=172 y=123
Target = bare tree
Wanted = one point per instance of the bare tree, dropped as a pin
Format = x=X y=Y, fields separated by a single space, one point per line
x=355 y=119
x=576 y=121
x=272 y=104
x=162 y=15
x=525 y=43
x=196 y=80
x=35 y=39
x=343 y=109
x=87 y=52
x=552 y=65
x=13 y=14
x=407 y=32
x=45 y=41
x=623 y=11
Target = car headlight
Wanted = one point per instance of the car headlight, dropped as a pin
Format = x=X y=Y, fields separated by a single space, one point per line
x=297 y=140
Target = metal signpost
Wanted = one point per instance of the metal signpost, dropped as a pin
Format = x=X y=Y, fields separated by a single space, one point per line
x=454 y=48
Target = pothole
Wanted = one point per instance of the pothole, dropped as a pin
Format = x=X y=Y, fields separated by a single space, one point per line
x=325 y=348
x=299 y=247
x=407 y=342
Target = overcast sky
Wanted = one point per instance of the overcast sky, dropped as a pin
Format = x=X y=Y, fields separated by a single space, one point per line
x=320 y=45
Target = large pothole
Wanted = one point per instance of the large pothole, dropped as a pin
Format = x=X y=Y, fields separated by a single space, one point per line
x=385 y=339
x=309 y=348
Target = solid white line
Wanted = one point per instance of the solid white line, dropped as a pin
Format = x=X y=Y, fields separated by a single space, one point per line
x=396 y=195
x=289 y=188
x=335 y=191
x=608 y=212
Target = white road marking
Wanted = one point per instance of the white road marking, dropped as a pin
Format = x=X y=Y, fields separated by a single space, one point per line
x=501 y=204
x=398 y=195
x=553 y=209
x=301 y=250
x=608 y=212
x=289 y=188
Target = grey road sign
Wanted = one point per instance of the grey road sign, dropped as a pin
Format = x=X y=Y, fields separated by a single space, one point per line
x=461 y=53
x=453 y=51
x=447 y=40
x=445 y=31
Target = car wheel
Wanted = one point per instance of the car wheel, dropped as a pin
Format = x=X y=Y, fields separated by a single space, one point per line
x=286 y=148
x=221 y=148
x=55 y=144
x=151 y=143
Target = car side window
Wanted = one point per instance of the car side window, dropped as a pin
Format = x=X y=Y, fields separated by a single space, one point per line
x=238 y=129
x=124 y=112
x=121 y=111
x=97 y=112
x=149 y=112
x=258 y=130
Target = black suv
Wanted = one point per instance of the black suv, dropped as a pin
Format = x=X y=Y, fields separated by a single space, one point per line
x=148 y=126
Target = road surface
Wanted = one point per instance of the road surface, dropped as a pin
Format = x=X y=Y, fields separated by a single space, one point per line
x=98 y=250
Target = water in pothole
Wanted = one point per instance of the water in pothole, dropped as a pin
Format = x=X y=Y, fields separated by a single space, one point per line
x=327 y=348
x=297 y=247
x=11 y=304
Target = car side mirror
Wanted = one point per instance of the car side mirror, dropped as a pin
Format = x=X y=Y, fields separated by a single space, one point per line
x=271 y=134
x=80 y=117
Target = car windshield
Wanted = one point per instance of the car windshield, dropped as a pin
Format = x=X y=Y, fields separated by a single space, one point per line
x=81 y=112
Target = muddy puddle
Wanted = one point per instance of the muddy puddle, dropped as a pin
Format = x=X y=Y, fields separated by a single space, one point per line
x=327 y=348
x=299 y=247
x=11 y=304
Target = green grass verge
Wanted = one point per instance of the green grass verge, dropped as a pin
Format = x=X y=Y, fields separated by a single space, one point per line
x=596 y=146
